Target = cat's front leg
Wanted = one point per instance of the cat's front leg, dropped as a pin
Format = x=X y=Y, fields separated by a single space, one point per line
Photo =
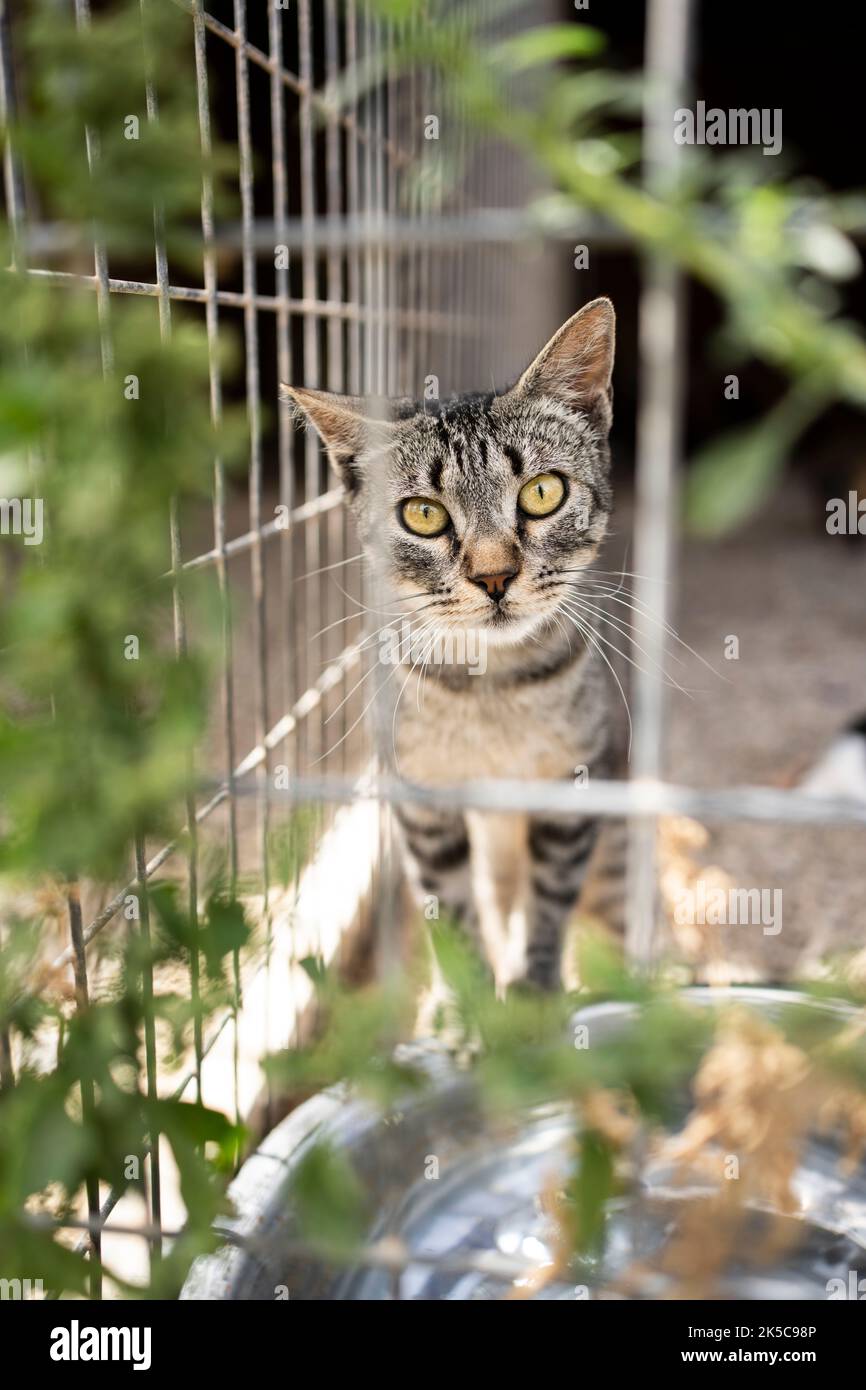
x=559 y=852
x=436 y=846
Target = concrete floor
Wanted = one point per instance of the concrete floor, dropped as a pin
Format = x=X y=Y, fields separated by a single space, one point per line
x=795 y=598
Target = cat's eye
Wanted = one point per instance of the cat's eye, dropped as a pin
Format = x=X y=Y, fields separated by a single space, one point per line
x=424 y=516
x=541 y=495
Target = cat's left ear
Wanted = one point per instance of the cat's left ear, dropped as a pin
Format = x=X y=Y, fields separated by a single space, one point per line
x=343 y=425
x=576 y=365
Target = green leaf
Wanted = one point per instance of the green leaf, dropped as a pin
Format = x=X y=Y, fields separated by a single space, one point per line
x=546 y=44
x=329 y=1199
x=590 y=1190
x=735 y=475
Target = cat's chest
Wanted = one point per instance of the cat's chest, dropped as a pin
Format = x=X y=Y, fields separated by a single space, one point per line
x=446 y=735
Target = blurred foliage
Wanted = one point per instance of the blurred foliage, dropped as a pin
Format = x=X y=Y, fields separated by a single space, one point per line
x=769 y=244
x=106 y=421
x=525 y=1051
x=95 y=746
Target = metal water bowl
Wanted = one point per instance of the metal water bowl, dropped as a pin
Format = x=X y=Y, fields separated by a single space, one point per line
x=480 y=1229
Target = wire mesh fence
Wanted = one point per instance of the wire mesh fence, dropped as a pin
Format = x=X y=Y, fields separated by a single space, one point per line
x=347 y=271
x=374 y=313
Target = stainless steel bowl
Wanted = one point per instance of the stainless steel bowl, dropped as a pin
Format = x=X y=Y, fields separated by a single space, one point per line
x=480 y=1227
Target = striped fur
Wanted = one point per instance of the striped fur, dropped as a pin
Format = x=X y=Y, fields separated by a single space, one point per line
x=542 y=707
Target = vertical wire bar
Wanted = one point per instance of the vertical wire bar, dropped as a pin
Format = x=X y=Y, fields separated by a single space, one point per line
x=457 y=204
x=88 y=1094
x=391 y=175
x=88 y=1090
x=180 y=647
x=150 y=1061
x=381 y=380
x=251 y=341
x=355 y=382
x=337 y=605
x=284 y=434
x=379 y=42
x=100 y=257
x=390 y=945
x=369 y=345
x=408 y=194
x=353 y=205
x=661 y=330
x=312 y=369
x=14 y=190
x=370 y=388
x=13 y=182
x=209 y=266
x=284 y=355
x=425 y=270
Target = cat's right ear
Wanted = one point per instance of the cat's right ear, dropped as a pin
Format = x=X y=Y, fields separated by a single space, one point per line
x=575 y=366
x=342 y=424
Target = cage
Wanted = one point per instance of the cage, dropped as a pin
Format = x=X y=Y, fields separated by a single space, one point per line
x=359 y=264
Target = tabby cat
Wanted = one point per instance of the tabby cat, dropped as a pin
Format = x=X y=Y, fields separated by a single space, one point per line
x=478 y=516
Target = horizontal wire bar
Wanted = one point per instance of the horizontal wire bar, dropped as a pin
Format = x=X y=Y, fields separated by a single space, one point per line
x=305 y=512
x=486 y=226
x=236 y=299
x=637 y=797
x=297 y=85
x=494 y=225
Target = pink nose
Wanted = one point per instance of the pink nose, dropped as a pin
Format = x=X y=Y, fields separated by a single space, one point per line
x=495 y=584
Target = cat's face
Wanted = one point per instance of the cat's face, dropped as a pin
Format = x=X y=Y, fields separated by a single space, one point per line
x=480 y=513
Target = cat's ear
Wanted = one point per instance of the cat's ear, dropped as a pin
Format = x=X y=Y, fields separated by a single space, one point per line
x=344 y=426
x=575 y=367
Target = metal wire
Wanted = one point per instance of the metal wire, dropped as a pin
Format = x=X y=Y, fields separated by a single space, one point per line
x=383 y=287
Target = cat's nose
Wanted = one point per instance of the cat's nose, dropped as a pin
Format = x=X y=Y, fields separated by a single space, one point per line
x=495 y=584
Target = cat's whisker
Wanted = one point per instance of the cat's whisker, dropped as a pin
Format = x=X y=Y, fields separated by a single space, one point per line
x=623 y=629
x=449 y=628
x=310 y=574
x=669 y=680
x=643 y=612
x=425 y=655
x=374 y=697
x=372 y=637
x=564 y=630
x=410 y=613
x=366 y=608
x=589 y=636
x=600 y=591
x=613 y=574
x=606 y=641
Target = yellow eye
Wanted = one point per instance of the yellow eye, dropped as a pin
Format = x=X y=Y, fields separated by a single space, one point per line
x=541 y=495
x=425 y=517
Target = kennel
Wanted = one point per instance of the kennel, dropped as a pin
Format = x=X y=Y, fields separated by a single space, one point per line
x=359 y=278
